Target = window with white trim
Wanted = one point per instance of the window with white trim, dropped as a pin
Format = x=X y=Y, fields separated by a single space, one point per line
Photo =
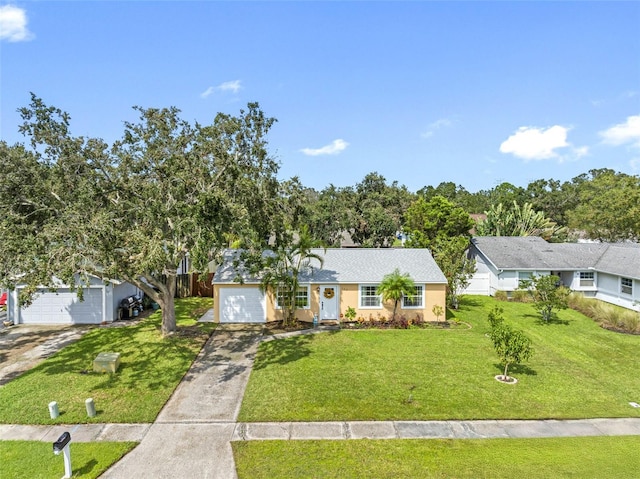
x=415 y=300
x=301 y=299
x=587 y=279
x=369 y=297
x=524 y=278
x=626 y=286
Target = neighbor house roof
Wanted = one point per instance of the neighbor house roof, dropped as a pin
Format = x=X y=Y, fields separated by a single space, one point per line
x=534 y=253
x=353 y=265
x=622 y=259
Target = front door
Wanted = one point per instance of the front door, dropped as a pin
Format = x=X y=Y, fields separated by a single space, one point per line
x=328 y=302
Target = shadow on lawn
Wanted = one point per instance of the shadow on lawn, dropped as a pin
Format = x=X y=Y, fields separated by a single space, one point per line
x=517 y=369
x=284 y=351
x=156 y=364
x=554 y=320
x=86 y=469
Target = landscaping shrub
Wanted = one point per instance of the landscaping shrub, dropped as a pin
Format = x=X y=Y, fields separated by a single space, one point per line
x=418 y=320
x=399 y=321
x=609 y=316
x=521 y=296
x=501 y=296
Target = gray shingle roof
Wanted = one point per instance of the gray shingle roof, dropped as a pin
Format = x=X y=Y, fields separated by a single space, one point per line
x=532 y=252
x=358 y=265
x=621 y=259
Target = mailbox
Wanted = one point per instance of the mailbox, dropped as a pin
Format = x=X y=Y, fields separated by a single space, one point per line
x=62 y=446
x=62 y=441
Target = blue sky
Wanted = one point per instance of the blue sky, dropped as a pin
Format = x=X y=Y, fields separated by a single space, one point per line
x=422 y=92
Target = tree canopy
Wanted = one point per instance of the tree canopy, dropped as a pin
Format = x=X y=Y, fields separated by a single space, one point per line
x=426 y=221
x=134 y=209
x=609 y=207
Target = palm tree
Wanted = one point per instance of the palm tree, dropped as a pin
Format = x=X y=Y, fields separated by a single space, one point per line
x=283 y=270
x=517 y=221
x=394 y=286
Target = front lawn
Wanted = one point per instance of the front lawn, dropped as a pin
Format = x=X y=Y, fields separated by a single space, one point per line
x=150 y=369
x=578 y=371
x=35 y=459
x=579 y=457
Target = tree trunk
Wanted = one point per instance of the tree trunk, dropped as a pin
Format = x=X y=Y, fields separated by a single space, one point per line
x=506 y=368
x=168 y=316
x=168 y=305
x=164 y=297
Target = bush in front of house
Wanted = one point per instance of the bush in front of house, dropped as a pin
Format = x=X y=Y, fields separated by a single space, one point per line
x=521 y=296
x=609 y=316
x=501 y=296
x=399 y=321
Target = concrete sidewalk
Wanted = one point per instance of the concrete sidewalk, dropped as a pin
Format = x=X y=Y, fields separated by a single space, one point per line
x=436 y=429
x=334 y=430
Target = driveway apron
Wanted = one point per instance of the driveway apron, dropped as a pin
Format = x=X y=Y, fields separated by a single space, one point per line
x=191 y=436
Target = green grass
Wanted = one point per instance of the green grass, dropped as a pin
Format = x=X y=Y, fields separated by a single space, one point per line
x=581 y=457
x=35 y=459
x=150 y=369
x=578 y=370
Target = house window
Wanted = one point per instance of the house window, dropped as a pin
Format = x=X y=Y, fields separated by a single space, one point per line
x=524 y=279
x=586 y=279
x=414 y=300
x=626 y=286
x=302 y=298
x=369 y=297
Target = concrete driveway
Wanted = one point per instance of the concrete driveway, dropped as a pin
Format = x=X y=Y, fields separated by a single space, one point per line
x=191 y=436
x=23 y=347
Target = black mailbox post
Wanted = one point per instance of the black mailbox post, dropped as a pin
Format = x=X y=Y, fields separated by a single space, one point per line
x=62 y=445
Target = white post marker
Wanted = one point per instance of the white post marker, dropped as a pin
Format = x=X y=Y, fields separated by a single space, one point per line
x=62 y=444
x=91 y=407
x=53 y=410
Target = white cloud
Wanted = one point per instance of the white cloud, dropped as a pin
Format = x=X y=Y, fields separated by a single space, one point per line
x=436 y=125
x=233 y=86
x=627 y=132
x=13 y=24
x=531 y=143
x=335 y=147
x=207 y=92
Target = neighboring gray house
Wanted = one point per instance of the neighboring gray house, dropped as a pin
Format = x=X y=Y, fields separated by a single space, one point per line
x=100 y=304
x=606 y=271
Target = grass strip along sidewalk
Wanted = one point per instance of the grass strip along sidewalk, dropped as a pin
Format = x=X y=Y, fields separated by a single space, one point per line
x=578 y=370
x=35 y=460
x=583 y=457
x=150 y=369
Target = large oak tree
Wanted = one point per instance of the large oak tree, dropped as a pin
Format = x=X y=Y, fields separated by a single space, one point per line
x=134 y=209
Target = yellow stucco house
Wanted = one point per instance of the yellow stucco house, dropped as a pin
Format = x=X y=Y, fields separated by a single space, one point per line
x=347 y=278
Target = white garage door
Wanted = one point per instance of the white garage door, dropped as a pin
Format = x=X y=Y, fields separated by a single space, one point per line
x=64 y=307
x=242 y=305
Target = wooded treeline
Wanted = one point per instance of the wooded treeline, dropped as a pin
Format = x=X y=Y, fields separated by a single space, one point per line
x=601 y=204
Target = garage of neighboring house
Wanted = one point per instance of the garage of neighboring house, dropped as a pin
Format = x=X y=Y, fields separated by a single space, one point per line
x=64 y=307
x=100 y=303
x=242 y=305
